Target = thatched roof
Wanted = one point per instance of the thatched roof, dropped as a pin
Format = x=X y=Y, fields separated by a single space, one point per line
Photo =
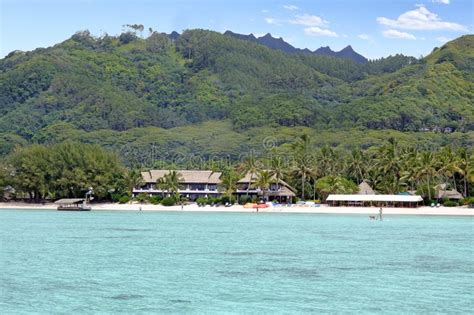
x=448 y=194
x=365 y=189
x=284 y=191
x=246 y=179
x=189 y=177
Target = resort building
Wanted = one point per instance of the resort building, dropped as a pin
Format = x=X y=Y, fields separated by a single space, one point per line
x=193 y=184
x=277 y=191
x=405 y=201
x=196 y=184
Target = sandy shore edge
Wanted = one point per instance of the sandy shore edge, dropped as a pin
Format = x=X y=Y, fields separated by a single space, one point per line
x=450 y=211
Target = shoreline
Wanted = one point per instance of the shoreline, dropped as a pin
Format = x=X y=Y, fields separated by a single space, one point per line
x=323 y=209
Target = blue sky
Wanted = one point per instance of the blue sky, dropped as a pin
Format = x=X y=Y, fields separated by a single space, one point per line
x=373 y=28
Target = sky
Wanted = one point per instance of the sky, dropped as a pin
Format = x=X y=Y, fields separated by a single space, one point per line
x=374 y=28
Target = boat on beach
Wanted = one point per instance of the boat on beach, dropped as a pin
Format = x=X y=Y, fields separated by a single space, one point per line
x=73 y=204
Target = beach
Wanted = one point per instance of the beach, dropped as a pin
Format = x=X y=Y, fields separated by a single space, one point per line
x=446 y=211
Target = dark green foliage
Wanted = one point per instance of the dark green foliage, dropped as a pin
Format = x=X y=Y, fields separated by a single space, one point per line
x=206 y=93
x=245 y=199
x=156 y=199
x=168 y=201
x=450 y=203
x=124 y=199
x=467 y=201
x=64 y=170
x=227 y=199
x=142 y=197
x=201 y=201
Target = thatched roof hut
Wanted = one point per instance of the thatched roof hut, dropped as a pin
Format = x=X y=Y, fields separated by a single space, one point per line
x=451 y=194
x=365 y=189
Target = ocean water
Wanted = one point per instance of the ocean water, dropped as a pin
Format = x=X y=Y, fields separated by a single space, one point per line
x=215 y=263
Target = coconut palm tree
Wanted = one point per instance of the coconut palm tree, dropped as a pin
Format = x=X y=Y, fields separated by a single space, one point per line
x=327 y=160
x=132 y=179
x=264 y=179
x=250 y=166
x=171 y=183
x=427 y=169
x=388 y=163
x=356 y=165
x=229 y=179
x=161 y=185
x=449 y=165
x=302 y=160
x=335 y=185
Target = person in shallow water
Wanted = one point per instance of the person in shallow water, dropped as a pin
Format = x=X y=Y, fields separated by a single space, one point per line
x=380 y=214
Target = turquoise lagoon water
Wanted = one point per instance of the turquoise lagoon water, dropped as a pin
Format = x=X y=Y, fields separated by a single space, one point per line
x=143 y=262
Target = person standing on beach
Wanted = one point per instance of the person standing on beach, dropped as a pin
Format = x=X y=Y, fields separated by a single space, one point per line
x=380 y=214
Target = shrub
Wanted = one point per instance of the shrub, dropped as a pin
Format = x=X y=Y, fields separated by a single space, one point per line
x=450 y=203
x=168 y=201
x=116 y=197
x=201 y=201
x=142 y=197
x=124 y=199
x=215 y=201
x=244 y=199
x=467 y=201
x=226 y=199
x=156 y=199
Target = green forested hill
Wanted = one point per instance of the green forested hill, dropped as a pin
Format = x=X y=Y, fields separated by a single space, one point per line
x=209 y=93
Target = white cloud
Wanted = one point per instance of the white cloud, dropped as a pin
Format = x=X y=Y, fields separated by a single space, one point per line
x=443 y=39
x=291 y=7
x=316 y=31
x=264 y=11
x=272 y=21
x=440 y=1
x=364 y=36
x=420 y=19
x=397 y=34
x=309 y=20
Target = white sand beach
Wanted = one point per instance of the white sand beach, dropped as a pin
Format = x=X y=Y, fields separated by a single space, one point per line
x=450 y=211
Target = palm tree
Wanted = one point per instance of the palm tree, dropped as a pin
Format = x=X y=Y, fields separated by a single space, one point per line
x=465 y=167
x=264 y=179
x=132 y=179
x=408 y=173
x=171 y=183
x=335 y=185
x=302 y=159
x=356 y=165
x=427 y=169
x=278 y=168
x=449 y=165
x=250 y=166
x=161 y=185
x=388 y=163
x=229 y=179
x=327 y=160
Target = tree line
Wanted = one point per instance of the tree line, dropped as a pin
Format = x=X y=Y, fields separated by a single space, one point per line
x=68 y=169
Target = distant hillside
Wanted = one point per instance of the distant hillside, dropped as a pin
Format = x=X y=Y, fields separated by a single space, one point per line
x=208 y=93
x=280 y=44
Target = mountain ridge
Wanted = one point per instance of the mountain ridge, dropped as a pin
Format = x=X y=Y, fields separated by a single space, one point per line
x=278 y=43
